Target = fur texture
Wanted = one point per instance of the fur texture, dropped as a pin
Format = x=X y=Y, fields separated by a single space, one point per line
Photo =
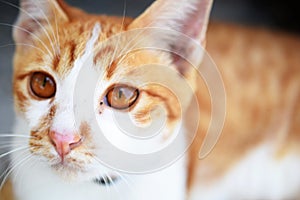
x=257 y=155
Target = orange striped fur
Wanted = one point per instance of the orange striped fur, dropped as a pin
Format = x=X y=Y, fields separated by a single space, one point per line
x=260 y=70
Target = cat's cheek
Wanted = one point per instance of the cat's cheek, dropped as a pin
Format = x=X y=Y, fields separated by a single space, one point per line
x=123 y=133
x=35 y=112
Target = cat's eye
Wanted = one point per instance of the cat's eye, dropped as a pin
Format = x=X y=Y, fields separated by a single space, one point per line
x=121 y=97
x=42 y=85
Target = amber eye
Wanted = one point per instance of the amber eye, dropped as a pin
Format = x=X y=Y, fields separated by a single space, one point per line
x=121 y=97
x=42 y=85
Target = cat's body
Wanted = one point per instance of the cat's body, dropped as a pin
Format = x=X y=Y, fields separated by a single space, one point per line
x=256 y=157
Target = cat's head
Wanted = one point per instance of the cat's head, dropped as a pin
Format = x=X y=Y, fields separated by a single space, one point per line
x=61 y=50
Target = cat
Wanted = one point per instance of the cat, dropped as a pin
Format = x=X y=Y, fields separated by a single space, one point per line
x=60 y=102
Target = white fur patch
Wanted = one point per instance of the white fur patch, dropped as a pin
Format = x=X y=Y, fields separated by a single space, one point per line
x=258 y=176
x=111 y=125
x=64 y=119
x=36 y=180
x=36 y=111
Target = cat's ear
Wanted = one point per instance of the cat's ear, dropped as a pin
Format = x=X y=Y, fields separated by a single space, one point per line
x=36 y=16
x=188 y=17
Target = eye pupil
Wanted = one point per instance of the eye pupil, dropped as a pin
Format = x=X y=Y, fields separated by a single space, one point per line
x=120 y=94
x=45 y=82
x=42 y=85
x=121 y=97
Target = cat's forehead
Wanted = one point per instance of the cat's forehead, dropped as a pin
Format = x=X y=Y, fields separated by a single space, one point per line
x=68 y=44
x=73 y=40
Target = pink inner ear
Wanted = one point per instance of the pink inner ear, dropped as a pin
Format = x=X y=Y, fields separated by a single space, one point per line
x=27 y=32
x=194 y=28
x=34 y=17
x=195 y=24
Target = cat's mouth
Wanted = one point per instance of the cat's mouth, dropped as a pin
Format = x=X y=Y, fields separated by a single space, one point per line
x=69 y=164
x=73 y=171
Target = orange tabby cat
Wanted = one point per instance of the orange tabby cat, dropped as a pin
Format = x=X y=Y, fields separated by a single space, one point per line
x=81 y=77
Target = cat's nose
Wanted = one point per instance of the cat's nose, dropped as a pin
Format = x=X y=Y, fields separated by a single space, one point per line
x=64 y=143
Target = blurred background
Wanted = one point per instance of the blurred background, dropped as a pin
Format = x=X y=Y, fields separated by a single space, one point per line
x=272 y=14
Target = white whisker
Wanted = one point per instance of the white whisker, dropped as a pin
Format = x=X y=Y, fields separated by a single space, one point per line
x=32 y=34
x=29 y=166
x=15 y=135
x=23 y=44
x=107 y=176
x=12 y=161
x=129 y=184
x=126 y=181
x=113 y=185
x=128 y=48
x=107 y=189
x=104 y=178
x=57 y=32
x=14 y=150
x=118 y=42
x=48 y=22
x=9 y=146
x=34 y=19
x=11 y=170
x=138 y=36
x=11 y=140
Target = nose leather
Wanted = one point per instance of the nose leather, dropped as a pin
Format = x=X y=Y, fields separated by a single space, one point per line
x=64 y=142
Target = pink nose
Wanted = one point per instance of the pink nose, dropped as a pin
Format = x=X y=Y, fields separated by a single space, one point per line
x=64 y=143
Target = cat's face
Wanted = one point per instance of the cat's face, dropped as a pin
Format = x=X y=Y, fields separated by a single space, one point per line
x=68 y=113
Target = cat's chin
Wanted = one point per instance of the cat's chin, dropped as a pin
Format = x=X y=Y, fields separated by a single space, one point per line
x=73 y=175
x=71 y=171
